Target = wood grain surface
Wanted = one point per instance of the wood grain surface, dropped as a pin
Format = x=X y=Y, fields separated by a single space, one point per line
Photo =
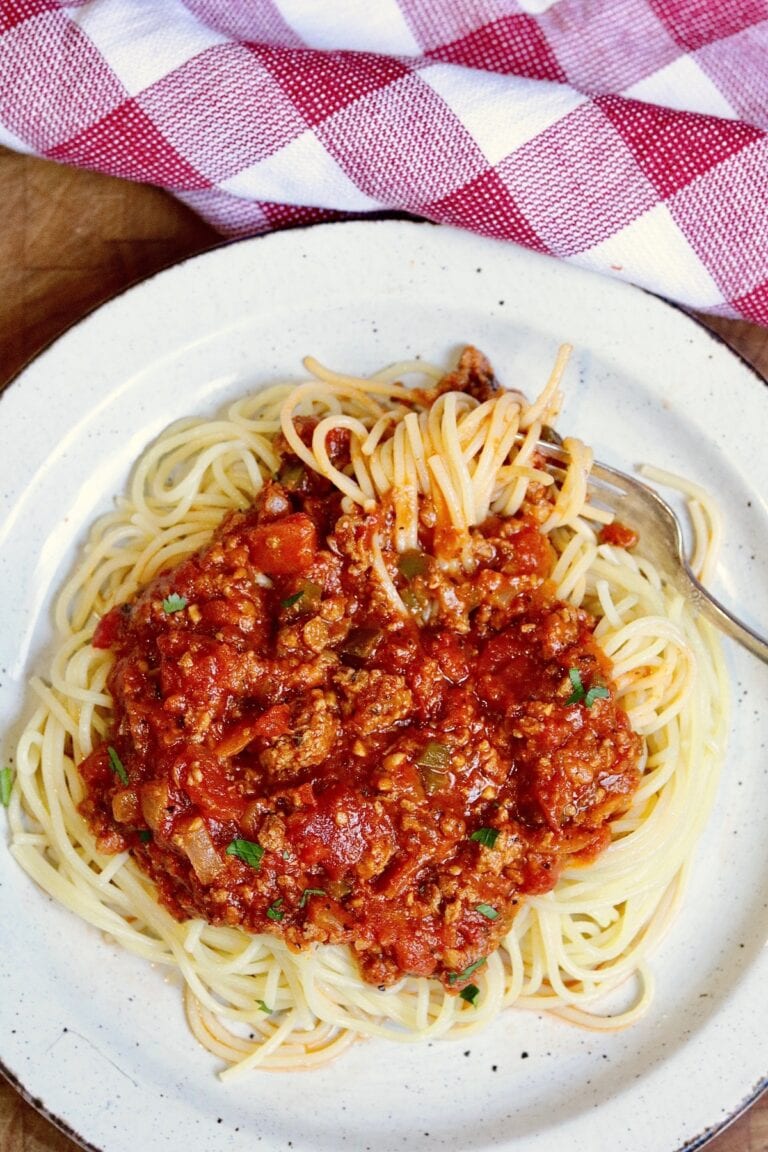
x=70 y=240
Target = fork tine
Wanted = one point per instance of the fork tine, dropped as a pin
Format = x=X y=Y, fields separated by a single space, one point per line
x=602 y=474
x=662 y=537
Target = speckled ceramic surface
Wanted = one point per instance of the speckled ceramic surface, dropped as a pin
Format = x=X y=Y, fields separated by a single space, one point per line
x=97 y=1036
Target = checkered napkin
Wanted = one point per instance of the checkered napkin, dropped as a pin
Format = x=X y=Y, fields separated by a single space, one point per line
x=626 y=136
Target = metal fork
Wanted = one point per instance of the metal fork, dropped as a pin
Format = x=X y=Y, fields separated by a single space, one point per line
x=641 y=508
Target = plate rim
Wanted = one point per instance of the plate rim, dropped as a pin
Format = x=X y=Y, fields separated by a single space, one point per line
x=375 y=218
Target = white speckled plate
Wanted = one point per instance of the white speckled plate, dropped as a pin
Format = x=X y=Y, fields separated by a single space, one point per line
x=96 y=1037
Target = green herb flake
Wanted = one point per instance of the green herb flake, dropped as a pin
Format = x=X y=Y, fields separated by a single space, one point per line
x=488 y=911
x=579 y=691
x=310 y=892
x=455 y=977
x=581 y=695
x=470 y=994
x=275 y=912
x=145 y=835
x=174 y=603
x=6 y=784
x=264 y=1007
x=117 y=765
x=291 y=600
x=247 y=851
x=486 y=836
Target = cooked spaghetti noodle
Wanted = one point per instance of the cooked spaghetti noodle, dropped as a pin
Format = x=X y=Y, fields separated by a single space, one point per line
x=467 y=458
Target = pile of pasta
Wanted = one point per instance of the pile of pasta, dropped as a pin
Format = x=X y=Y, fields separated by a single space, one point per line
x=580 y=951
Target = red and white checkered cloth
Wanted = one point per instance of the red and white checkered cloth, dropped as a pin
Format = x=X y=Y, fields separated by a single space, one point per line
x=627 y=136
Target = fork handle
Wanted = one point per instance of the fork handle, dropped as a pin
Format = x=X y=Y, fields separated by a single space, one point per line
x=717 y=614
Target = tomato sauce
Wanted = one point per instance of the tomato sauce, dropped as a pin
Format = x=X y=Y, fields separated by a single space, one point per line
x=618 y=534
x=292 y=754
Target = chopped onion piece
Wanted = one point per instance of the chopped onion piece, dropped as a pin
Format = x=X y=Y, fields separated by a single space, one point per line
x=202 y=852
x=155 y=799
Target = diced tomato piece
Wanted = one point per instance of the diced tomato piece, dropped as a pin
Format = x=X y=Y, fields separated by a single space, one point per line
x=208 y=785
x=284 y=546
x=508 y=670
x=95 y=769
x=339 y=832
x=532 y=552
x=272 y=724
x=109 y=629
x=621 y=535
x=320 y=840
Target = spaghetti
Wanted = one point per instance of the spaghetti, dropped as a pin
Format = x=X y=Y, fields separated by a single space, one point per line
x=452 y=463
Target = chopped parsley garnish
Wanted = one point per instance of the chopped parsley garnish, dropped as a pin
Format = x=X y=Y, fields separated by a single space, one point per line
x=291 y=600
x=485 y=836
x=455 y=977
x=488 y=911
x=470 y=994
x=310 y=892
x=145 y=835
x=580 y=693
x=117 y=765
x=264 y=1007
x=174 y=603
x=275 y=912
x=6 y=783
x=247 y=851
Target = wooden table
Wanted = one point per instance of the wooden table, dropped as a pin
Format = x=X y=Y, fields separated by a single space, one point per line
x=70 y=240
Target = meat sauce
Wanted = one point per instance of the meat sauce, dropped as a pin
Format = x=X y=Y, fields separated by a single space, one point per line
x=291 y=754
x=618 y=534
